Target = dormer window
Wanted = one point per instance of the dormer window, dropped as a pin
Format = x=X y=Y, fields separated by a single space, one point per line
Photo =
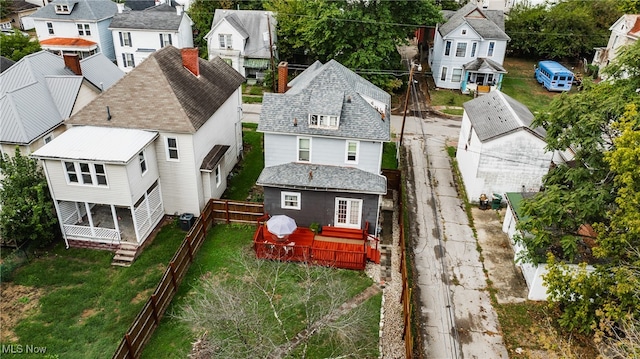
x=225 y=41
x=63 y=9
x=323 y=121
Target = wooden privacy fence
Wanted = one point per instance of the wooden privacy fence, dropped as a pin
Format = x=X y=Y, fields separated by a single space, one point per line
x=149 y=317
x=236 y=212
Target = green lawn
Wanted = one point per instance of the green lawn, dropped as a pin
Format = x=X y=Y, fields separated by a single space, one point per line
x=217 y=262
x=245 y=174
x=389 y=160
x=87 y=304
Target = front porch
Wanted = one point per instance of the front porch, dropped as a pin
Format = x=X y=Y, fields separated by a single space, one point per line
x=482 y=76
x=334 y=247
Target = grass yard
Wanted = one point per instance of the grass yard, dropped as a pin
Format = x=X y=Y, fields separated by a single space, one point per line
x=245 y=174
x=75 y=303
x=389 y=160
x=217 y=262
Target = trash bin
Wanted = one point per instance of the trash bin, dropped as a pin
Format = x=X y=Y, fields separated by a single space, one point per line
x=186 y=221
x=496 y=202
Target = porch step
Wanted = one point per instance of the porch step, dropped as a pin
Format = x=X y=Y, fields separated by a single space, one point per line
x=125 y=255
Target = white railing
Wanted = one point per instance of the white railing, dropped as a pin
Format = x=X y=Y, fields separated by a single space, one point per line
x=99 y=234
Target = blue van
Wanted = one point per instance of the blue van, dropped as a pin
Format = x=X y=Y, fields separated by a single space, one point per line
x=553 y=76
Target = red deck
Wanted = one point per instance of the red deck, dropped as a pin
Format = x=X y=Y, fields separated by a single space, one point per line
x=337 y=248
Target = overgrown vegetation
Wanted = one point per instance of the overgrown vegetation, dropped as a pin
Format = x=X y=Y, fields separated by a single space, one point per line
x=389 y=156
x=243 y=177
x=16 y=46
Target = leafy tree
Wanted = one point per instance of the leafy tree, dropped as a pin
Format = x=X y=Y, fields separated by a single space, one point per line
x=600 y=187
x=27 y=212
x=5 y=8
x=361 y=35
x=17 y=46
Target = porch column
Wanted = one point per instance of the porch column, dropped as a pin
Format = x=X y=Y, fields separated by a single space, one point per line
x=90 y=218
x=135 y=223
x=115 y=220
x=77 y=212
x=499 y=86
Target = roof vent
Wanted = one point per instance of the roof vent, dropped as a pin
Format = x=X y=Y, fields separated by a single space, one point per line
x=108 y=114
x=295 y=122
x=348 y=99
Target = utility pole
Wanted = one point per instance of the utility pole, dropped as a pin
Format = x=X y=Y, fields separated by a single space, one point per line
x=273 y=64
x=406 y=100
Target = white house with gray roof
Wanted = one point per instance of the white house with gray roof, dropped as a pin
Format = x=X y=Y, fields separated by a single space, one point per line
x=498 y=150
x=162 y=140
x=42 y=90
x=323 y=143
x=468 y=50
x=245 y=39
x=136 y=34
x=76 y=26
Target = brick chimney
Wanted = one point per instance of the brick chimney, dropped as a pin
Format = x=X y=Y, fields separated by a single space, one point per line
x=72 y=62
x=190 y=60
x=283 y=73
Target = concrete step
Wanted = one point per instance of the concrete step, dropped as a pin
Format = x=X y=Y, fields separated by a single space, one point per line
x=121 y=264
x=128 y=246
x=126 y=252
x=119 y=257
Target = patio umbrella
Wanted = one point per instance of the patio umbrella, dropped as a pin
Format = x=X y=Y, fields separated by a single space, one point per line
x=281 y=225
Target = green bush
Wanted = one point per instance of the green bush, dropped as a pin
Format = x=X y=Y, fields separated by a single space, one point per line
x=10 y=263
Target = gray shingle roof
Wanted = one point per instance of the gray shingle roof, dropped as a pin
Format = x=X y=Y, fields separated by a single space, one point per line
x=5 y=63
x=322 y=178
x=487 y=23
x=38 y=92
x=251 y=24
x=484 y=65
x=496 y=114
x=83 y=10
x=161 y=17
x=328 y=88
x=168 y=97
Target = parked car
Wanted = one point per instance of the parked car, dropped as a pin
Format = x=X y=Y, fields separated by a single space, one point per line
x=12 y=31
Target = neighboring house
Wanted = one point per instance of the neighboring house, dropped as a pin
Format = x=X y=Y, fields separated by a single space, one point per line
x=506 y=5
x=323 y=142
x=162 y=140
x=42 y=90
x=245 y=39
x=625 y=31
x=533 y=273
x=20 y=13
x=76 y=27
x=136 y=34
x=468 y=50
x=498 y=151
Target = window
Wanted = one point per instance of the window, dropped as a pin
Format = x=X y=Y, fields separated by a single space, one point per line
x=313 y=120
x=127 y=60
x=464 y=31
x=473 y=49
x=289 y=200
x=70 y=168
x=443 y=74
x=218 y=176
x=143 y=162
x=456 y=75
x=85 y=173
x=348 y=212
x=48 y=139
x=492 y=45
x=62 y=9
x=50 y=28
x=490 y=78
x=225 y=41
x=172 y=148
x=461 y=49
x=323 y=121
x=304 y=149
x=447 y=48
x=352 y=151
x=84 y=30
x=125 y=39
x=101 y=176
x=165 y=40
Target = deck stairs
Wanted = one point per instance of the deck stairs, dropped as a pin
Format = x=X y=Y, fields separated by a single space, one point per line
x=125 y=254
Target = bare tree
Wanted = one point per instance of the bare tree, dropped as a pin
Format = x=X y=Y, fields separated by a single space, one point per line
x=273 y=309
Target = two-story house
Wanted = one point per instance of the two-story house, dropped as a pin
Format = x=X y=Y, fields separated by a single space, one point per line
x=468 y=50
x=323 y=142
x=76 y=27
x=42 y=90
x=625 y=31
x=162 y=140
x=245 y=39
x=136 y=34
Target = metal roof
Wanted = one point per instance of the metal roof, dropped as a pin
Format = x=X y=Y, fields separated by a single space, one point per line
x=322 y=178
x=161 y=17
x=82 y=10
x=213 y=157
x=487 y=23
x=92 y=143
x=496 y=114
x=252 y=25
x=328 y=88
x=100 y=71
x=64 y=90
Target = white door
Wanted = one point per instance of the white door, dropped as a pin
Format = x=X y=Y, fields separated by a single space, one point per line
x=348 y=213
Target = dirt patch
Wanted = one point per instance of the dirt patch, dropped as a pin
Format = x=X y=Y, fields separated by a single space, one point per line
x=17 y=301
x=142 y=296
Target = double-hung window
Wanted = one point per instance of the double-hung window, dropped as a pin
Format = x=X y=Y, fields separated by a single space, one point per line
x=474 y=46
x=290 y=200
x=50 y=28
x=461 y=49
x=218 y=173
x=172 y=148
x=456 y=75
x=128 y=60
x=447 y=48
x=125 y=39
x=70 y=168
x=86 y=173
x=492 y=45
x=143 y=162
x=225 y=41
x=165 y=40
x=443 y=74
x=352 y=152
x=304 y=149
x=84 y=30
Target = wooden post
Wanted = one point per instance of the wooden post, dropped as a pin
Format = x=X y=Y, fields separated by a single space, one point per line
x=188 y=239
x=172 y=265
x=226 y=210
x=154 y=307
x=127 y=341
x=406 y=102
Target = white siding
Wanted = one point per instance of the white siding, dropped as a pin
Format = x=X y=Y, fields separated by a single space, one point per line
x=138 y=182
x=468 y=157
x=235 y=54
x=86 y=94
x=117 y=192
x=281 y=149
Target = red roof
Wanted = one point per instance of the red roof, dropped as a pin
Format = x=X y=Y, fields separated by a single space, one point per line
x=635 y=30
x=68 y=41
